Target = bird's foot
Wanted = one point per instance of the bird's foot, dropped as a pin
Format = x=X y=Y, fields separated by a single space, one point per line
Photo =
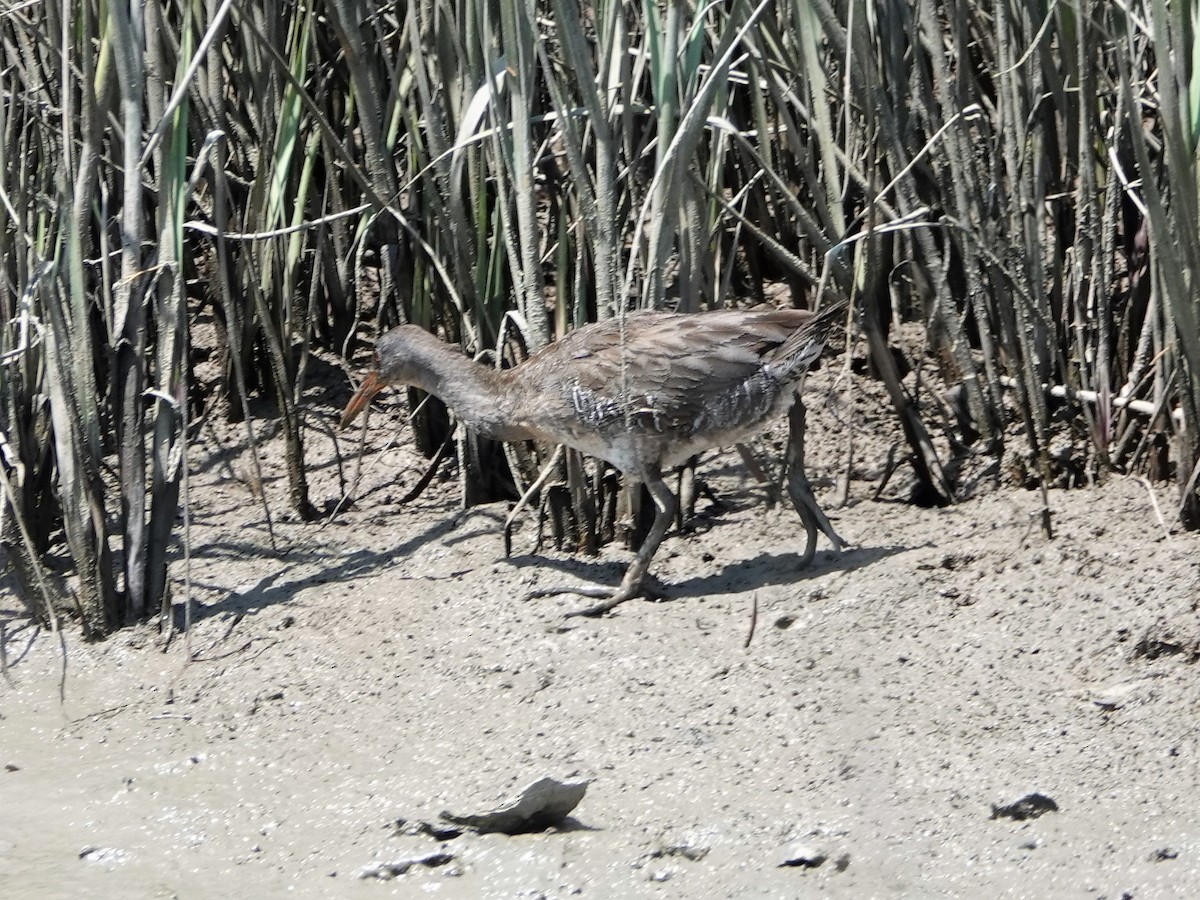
x=609 y=599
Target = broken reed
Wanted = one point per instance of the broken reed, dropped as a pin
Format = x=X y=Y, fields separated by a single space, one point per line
x=1010 y=175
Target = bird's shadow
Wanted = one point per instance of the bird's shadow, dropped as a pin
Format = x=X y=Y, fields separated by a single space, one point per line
x=283 y=584
x=763 y=570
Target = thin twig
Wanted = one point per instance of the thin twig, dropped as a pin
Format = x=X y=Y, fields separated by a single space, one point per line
x=536 y=486
x=1121 y=401
x=431 y=470
x=4 y=655
x=1145 y=482
x=753 y=619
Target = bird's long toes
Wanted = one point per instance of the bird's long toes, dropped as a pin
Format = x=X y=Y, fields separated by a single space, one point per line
x=599 y=609
x=596 y=591
x=608 y=599
x=650 y=589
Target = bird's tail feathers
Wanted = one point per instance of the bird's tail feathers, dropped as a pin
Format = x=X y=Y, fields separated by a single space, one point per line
x=804 y=345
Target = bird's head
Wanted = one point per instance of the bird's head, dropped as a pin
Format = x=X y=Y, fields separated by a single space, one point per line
x=393 y=366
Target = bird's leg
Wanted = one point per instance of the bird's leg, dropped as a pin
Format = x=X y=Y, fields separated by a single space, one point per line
x=800 y=491
x=635 y=576
x=634 y=582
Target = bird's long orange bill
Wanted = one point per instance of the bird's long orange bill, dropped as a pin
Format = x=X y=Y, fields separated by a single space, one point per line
x=366 y=392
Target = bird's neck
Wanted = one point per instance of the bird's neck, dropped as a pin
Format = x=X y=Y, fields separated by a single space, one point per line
x=482 y=398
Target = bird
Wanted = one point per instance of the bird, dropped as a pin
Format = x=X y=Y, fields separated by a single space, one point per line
x=645 y=392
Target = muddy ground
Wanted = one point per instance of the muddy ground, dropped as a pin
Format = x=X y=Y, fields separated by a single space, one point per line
x=869 y=724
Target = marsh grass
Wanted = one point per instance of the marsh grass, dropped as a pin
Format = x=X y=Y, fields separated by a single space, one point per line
x=1018 y=177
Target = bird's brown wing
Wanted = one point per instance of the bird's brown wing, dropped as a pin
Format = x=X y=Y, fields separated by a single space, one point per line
x=676 y=373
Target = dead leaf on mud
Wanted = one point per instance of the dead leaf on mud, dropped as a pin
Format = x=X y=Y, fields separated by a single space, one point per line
x=540 y=805
x=1116 y=696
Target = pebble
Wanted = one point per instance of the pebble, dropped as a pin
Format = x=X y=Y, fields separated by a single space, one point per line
x=801 y=855
x=1028 y=806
